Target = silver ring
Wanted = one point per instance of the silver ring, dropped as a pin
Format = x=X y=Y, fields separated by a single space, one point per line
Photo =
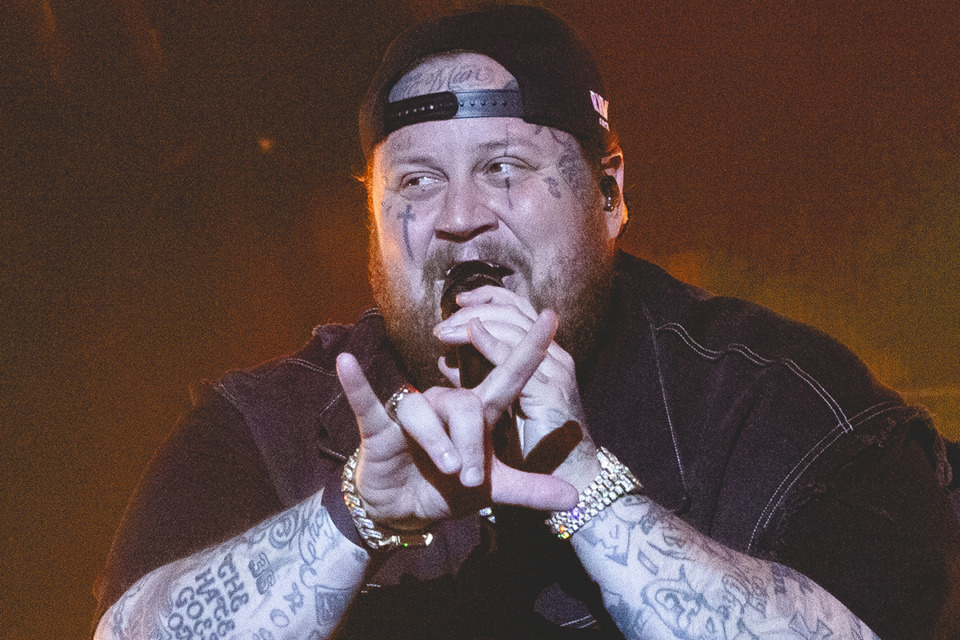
x=391 y=404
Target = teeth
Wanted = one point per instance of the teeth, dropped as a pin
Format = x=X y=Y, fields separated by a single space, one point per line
x=493 y=265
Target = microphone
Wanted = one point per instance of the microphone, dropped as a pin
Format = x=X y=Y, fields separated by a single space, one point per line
x=467 y=276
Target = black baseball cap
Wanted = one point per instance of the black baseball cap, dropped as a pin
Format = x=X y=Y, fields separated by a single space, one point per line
x=560 y=85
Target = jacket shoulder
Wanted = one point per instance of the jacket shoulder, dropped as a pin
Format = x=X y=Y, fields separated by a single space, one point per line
x=295 y=409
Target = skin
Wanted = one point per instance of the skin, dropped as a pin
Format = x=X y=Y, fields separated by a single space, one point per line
x=470 y=181
x=462 y=190
x=294 y=572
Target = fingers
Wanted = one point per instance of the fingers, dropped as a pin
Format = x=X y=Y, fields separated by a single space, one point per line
x=508 y=378
x=531 y=490
x=455 y=325
x=449 y=425
x=463 y=413
x=372 y=418
x=505 y=325
x=496 y=296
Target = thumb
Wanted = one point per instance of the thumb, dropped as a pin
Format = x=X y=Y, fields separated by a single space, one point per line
x=532 y=490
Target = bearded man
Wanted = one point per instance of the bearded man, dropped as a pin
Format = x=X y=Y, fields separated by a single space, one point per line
x=630 y=457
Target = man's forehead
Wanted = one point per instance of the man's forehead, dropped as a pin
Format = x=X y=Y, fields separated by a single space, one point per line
x=460 y=71
x=479 y=136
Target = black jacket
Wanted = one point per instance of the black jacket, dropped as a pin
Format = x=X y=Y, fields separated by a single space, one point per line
x=762 y=433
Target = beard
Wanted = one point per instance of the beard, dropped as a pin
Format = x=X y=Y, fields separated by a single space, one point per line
x=577 y=288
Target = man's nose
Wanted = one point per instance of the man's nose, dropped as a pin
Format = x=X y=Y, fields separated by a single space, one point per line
x=466 y=213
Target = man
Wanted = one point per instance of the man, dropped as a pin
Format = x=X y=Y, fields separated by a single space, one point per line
x=713 y=471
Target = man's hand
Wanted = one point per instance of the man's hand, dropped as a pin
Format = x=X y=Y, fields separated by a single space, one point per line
x=436 y=460
x=496 y=321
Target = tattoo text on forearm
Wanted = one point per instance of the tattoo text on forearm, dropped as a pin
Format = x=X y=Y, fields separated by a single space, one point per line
x=292 y=563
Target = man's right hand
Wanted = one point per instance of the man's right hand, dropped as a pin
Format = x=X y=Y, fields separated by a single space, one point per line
x=436 y=461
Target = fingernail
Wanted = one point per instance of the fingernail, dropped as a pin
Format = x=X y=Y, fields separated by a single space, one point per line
x=449 y=462
x=472 y=477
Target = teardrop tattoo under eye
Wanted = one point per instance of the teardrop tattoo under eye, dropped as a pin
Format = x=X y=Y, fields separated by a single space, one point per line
x=407 y=216
x=553 y=187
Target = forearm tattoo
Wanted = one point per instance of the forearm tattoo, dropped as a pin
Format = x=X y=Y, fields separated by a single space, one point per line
x=292 y=574
x=661 y=578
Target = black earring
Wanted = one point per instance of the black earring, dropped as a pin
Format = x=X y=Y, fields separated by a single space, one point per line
x=611 y=192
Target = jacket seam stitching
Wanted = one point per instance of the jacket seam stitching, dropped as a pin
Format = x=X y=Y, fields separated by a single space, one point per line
x=665 y=400
x=306 y=364
x=755 y=358
x=778 y=496
x=844 y=424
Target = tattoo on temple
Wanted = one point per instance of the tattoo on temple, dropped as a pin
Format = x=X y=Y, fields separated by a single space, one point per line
x=571 y=165
x=553 y=187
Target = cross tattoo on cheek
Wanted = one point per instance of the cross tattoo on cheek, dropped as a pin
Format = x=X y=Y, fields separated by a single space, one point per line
x=407 y=216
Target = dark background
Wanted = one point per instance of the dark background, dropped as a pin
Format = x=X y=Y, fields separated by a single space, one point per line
x=178 y=200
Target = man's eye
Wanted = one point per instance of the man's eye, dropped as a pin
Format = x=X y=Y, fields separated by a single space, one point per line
x=418 y=181
x=419 y=186
x=502 y=172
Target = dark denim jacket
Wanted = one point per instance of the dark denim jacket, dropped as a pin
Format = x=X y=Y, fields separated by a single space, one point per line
x=760 y=432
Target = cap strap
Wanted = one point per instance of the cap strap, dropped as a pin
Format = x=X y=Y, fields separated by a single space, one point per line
x=487 y=103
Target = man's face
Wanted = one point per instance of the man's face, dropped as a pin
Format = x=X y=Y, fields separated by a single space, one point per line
x=494 y=189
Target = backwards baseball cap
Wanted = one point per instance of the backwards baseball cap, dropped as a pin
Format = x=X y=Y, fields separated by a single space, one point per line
x=559 y=84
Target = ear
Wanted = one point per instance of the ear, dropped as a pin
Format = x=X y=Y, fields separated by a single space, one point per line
x=616 y=217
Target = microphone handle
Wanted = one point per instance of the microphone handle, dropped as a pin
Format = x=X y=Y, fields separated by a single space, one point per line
x=474 y=367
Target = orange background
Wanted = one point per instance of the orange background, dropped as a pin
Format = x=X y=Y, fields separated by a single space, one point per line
x=178 y=201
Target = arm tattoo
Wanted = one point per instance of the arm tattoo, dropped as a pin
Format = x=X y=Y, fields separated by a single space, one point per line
x=660 y=578
x=262 y=573
x=209 y=596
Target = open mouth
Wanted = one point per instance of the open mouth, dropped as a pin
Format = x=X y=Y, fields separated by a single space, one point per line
x=479 y=269
x=467 y=276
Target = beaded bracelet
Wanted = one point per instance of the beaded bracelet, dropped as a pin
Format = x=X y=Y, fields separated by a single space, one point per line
x=375 y=538
x=613 y=481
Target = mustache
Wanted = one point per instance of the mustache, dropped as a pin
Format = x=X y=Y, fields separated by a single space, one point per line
x=447 y=255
